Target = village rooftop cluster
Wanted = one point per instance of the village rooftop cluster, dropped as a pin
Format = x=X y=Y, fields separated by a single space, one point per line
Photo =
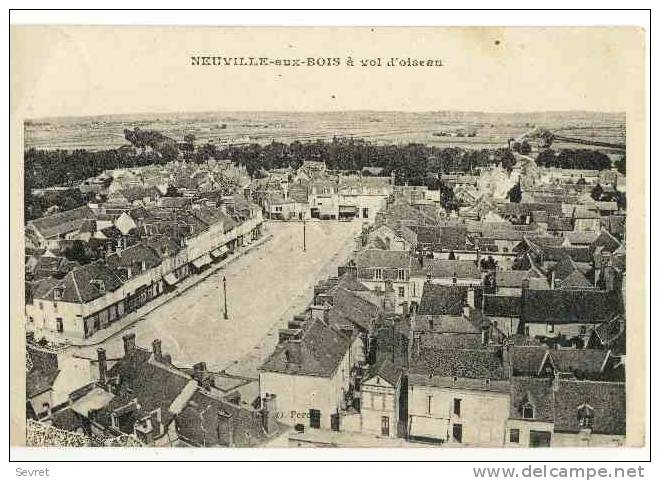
x=500 y=322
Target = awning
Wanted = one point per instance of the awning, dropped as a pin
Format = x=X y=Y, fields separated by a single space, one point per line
x=347 y=209
x=432 y=428
x=171 y=279
x=220 y=251
x=202 y=261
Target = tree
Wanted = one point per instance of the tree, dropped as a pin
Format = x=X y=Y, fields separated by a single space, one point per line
x=597 y=192
x=621 y=165
x=508 y=161
x=515 y=193
x=489 y=264
x=525 y=148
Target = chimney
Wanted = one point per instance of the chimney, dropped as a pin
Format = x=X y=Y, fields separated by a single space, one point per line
x=156 y=423
x=103 y=366
x=129 y=343
x=293 y=353
x=269 y=413
x=466 y=312
x=157 y=348
x=470 y=297
x=225 y=429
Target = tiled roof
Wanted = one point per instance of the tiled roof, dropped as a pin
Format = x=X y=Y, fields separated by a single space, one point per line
x=526 y=360
x=78 y=285
x=154 y=384
x=516 y=278
x=62 y=222
x=501 y=306
x=43 y=371
x=318 y=353
x=569 y=306
x=607 y=399
x=466 y=363
x=446 y=269
x=580 y=362
x=445 y=324
x=534 y=391
x=198 y=422
x=442 y=300
x=382 y=258
x=347 y=306
x=444 y=238
x=135 y=254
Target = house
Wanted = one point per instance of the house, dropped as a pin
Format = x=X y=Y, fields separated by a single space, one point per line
x=47 y=231
x=589 y=413
x=382 y=270
x=42 y=371
x=444 y=300
x=532 y=413
x=386 y=237
x=310 y=372
x=585 y=220
x=209 y=419
x=444 y=242
x=445 y=331
x=143 y=396
x=87 y=299
x=458 y=396
x=380 y=394
x=610 y=335
x=573 y=313
x=446 y=272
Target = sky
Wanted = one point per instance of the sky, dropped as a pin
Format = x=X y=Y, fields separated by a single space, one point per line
x=78 y=71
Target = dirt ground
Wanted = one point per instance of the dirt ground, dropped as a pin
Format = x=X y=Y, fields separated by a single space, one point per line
x=264 y=289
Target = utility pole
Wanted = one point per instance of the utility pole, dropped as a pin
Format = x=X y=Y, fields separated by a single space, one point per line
x=224 y=286
x=304 y=235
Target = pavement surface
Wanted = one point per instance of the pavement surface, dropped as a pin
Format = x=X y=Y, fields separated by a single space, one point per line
x=265 y=288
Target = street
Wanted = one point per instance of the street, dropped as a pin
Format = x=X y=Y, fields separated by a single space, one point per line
x=264 y=289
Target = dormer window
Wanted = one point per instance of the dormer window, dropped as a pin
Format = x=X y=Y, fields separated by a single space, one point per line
x=58 y=292
x=527 y=411
x=401 y=275
x=99 y=284
x=378 y=274
x=585 y=416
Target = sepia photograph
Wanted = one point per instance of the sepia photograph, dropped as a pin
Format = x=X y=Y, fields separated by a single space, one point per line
x=390 y=237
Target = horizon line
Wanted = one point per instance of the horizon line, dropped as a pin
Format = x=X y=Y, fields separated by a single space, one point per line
x=486 y=112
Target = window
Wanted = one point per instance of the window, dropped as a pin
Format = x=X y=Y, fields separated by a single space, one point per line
x=528 y=411
x=428 y=407
x=551 y=327
x=457 y=432
x=55 y=306
x=514 y=436
x=401 y=274
x=585 y=417
x=457 y=407
x=57 y=293
x=583 y=330
x=413 y=291
x=453 y=280
x=402 y=292
x=378 y=274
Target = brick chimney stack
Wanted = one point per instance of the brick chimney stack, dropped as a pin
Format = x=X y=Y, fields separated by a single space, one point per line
x=157 y=348
x=129 y=343
x=103 y=365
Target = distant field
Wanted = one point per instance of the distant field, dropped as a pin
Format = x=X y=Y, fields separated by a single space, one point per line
x=491 y=130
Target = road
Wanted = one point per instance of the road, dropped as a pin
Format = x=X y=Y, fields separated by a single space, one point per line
x=264 y=289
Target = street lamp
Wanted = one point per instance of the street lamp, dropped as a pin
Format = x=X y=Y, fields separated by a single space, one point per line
x=224 y=287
